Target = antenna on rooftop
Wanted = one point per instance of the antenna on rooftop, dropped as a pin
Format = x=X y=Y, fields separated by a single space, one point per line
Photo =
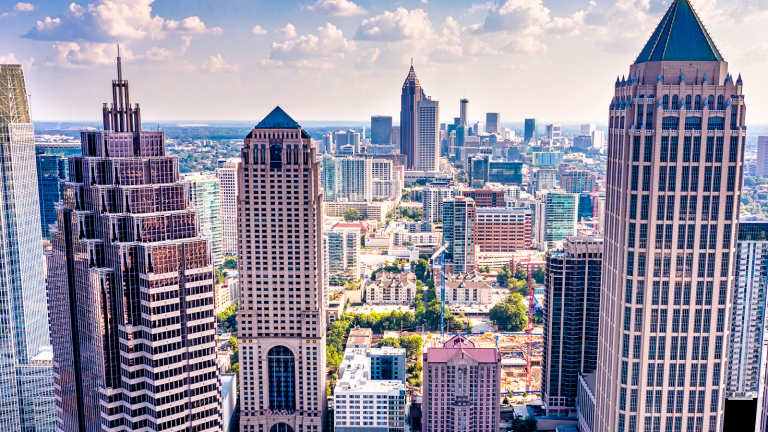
x=119 y=63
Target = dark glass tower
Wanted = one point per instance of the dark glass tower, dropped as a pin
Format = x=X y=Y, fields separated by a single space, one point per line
x=131 y=287
x=409 y=100
x=52 y=166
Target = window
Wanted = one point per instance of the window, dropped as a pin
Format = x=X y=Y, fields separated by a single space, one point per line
x=643 y=236
x=733 y=149
x=636 y=149
x=719 y=149
x=631 y=239
x=724 y=264
x=693 y=123
x=660 y=208
x=644 y=207
x=634 y=176
x=710 y=149
x=282 y=385
x=648 y=150
x=694 y=186
x=675 y=102
x=715 y=209
x=687 y=149
x=720 y=106
x=646 y=178
x=625 y=346
x=683 y=216
x=673 y=150
x=707 y=179
x=630 y=263
x=665 y=102
x=697 y=103
x=639 y=115
x=649 y=117
x=727 y=236
x=636 y=347
x=731 y=178
x=664 y=148
x=632 y=404
x=670 y=207
x=684 y=179
x=705 y=208
x=662 y=179
x=716 y=179
x=696 y=149
x=633 y=206
x=671 y=123
x=729 y=207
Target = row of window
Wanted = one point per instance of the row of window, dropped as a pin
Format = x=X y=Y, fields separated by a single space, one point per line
x=710 y=207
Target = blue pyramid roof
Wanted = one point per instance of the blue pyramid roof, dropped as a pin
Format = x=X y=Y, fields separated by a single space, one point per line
x=680 y=36
x=278 y=119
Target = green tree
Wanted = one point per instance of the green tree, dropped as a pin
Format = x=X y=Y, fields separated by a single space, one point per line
x=219 y=276
x=503 y=275
x=538 y=274
x=421 y=269
x=528 y=424
x=230 y=262
x=235 y=369
x=390 y=342
x=412 y=345
x=332 y=358
x=486 y=269
x=521 y=274
x=352 y=214
x=233 y=342
x=415 y=367
x=229 y=315
x=511 y=314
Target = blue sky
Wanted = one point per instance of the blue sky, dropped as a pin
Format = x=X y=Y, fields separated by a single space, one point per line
x=346 y=60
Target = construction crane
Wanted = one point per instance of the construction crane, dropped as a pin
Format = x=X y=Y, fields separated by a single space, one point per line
x=440 y=253
x=529 y=329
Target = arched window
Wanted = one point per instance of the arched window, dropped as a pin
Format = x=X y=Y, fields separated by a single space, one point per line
x=674 y=103
x=697 y=104
x=688 y=102
x=711 y=101
x=281 y=427
x=665 y=102
x=276 y=157
x=281 y=369
x=720 y=105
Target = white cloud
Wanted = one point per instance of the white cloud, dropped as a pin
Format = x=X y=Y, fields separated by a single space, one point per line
x=515 y=16
x=480 y=48
x=187 y=41
x=568 y=25
x=9 y=58
x=107 y=20
x=451 y=32
x=289 y=31
x=396 y=26
x=73 y=54
x=24 y=7
x=447 y=54
x=257 y=30
x=337 y=7
x=367 y=58
x=526 y=45
x=330 y=42
x=477 y=7
x=217 y=64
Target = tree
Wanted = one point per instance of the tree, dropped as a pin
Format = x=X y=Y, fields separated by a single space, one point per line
x=503 y=275
x=511 y=314
x=521 y=274
x=527 y=424
x=486 y=269
x=352 y=214
x=421 y=269
x=332 y=358
x=505 y=401
x=538 y=274
x=229 y=315
x=219 y=276
x=235 y=369
x=230 y=262
x=412 y=345
x=390 y=341
x=233 y=342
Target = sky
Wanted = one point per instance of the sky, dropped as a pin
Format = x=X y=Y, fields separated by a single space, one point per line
x=320 y=60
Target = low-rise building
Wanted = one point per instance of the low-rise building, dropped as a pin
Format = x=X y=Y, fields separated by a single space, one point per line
x=378 y=239
x=376 y=211
x=222 y=299
x=336 y=307
x=429 y=239
x=465 y=288
x=387 y=363
x=391 y=288
x=359 y=338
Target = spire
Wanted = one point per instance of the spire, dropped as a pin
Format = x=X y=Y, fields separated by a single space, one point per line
x=680 y=36
x=411 y=78
x=739 y=81
x=660 y=79
x=682 y=78
x=119 y=63
x=705 y=79
x=728 y=79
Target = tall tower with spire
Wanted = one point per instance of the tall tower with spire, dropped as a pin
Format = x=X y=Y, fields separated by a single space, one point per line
x=411 y=95
x=131 y=287
x=675 y=166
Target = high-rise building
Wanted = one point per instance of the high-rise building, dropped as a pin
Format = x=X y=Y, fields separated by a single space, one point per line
x=459 y=234
x=432 y=201
x=131 y=287
x=463 y=112
x=204 y=194
x=571 y=315
x=673 y=192
x=556 y=214
x=548 y=159
x=544 y=179
x=577 y=181
x=328 y=143
x=411 y=95
x=52 y=166
x=554 y=131
x=503 y=229
x=493 y=123
x=588 y=128
x=381 y=130
x=26 y=385
x=227 y=175
x=347 y=178
x=598 y=139
x=531 y=127
x=281 y=387
x=353 y=139
x=428 y=144
x=486 y=197
x=762 y=156
x=461 y=388
x=746 y=357
x=343 y=253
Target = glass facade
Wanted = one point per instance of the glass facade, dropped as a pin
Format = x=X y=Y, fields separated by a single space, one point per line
x=282 y=379
x=52 y=166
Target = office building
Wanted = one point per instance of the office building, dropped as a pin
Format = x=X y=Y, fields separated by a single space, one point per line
x=762 y=156
x=477 y=128
x=485 y=197
x=556 y=214
x=461 y=386
x=598 y=139
x=52 y=167
x=582 y=142
x=432 y=201
x=204 y=194
x=463 y=112
x=544 y=179
x=281 y=280
x=585 y=402
x=530 y=132
x=26 y=386
x=679 y=161
x=353 y=139
x=227 y=175
x=577 y=181
x=547 y=159
x=343 y=253
x=554 y=131
x=391 y=288
x=347 y=178
x=387 y=363
x=459 y=234
x=410 y=97
x=428 y=135
x=483 y=170
x=493 y=123
x=130 y=277
x=381 y=130
x=381 y=401
x=586 y=206
x=746 y=357
x=588 y=128
x=503 y=229
x=571 y=315
x=328 y=144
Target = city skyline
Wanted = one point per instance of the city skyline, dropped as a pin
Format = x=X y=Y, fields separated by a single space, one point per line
x=178 y=46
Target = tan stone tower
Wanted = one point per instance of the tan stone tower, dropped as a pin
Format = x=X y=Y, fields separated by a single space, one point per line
x=281 y=322
x=675 y=156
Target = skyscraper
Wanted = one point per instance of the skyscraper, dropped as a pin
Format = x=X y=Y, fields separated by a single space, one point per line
x=493 y=123
x=26 y=382
x=463 y=112
x=282 y=310
x=428 y=144
x=204 y=193
x=554 y=131
x=227 y=175
x=530 y=129
x=381 y=129
x=675 y=156
x=52 y=166
x=459 y=234
x=131 y=287
x=571 y=314
x=556 y=216
x=411 y=95
x=349 y=178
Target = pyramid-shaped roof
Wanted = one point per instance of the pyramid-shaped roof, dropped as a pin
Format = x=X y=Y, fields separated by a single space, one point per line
x=680 y=36
x=411 y=78
x=278 y=119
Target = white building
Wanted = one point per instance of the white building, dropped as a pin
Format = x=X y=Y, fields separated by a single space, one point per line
x=428 y=135
x=598 y=139
x=227 y=175
x=344 y=251
x=391 y=288
x=556 y=217
x=432 y=201
x=420 y=239
x=386 y=189
x=204 y=193
x=466 y=288
x=762 y=156
x=347 y=178
x=588 y=128
x=554 y=131
x=544 y=179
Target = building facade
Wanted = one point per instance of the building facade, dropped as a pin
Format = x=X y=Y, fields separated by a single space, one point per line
x=465 y=288
x=675 y=157
x=577 y=181
x=204 y=193
x=227 y=175
x=503 y=229
x=571 y=315
x=348 y=178
x=556 y=214
x=428 y=135
x=52 y=166
x=410 y=97
x=493 y=123
x=531 y=130
x=485 y=197
x=459 y=234
x=282 y=318
x=26 y=386
x=381 y=130
x=131 y=287
x=432 y=201
x=343 y=252
x=461 y=388
x=391 y=288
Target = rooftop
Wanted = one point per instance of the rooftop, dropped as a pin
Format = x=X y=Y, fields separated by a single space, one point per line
x=680 y=36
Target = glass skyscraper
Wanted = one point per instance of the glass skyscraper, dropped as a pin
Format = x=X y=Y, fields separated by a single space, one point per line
x=26 y=390
x=52 y=166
